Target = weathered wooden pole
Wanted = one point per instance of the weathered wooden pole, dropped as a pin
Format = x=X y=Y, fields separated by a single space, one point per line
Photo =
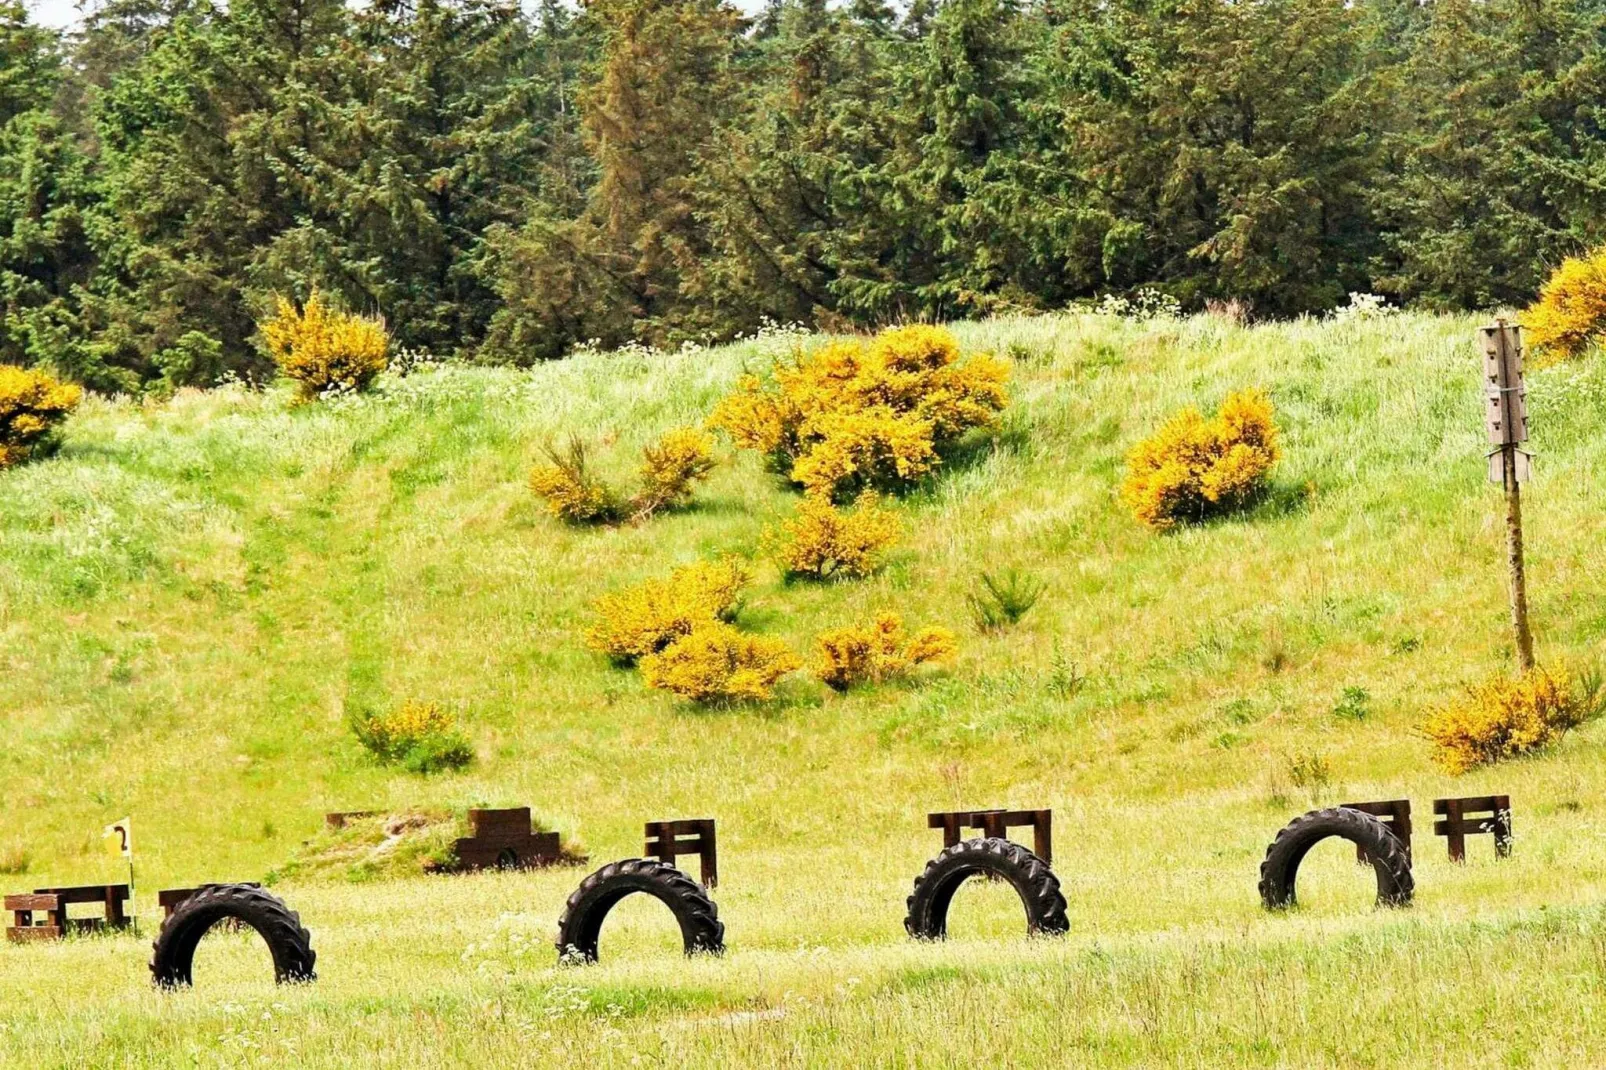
x=1519 y=582
x=1506 y=416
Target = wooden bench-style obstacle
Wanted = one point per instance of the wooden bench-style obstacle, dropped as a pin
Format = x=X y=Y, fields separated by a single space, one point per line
x=994 y=824
x=339 y=819
x=993 y=856
x=668 y=840
x=1474 y=816
x=53 y=903
x=1396 y=817
x=655 y=874
x=169 y=899
x=503 y=839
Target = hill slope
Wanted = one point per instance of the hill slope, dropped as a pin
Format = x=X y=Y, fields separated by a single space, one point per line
x=190 y=592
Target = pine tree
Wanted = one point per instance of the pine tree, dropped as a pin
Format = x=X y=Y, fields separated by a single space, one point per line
x=44 y=190
x=630 y=266
x=461 y=119
x=218 y=145
x=778 y=193
x=1227 y=148
x=1497 y=150
x=976 y=161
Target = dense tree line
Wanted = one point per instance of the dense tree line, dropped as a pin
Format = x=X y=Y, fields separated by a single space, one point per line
x=503 y=183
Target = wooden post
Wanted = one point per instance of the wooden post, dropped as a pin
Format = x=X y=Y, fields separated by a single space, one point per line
x=1394 y=813
x=1454 y=830
x=1507 y=421
x=1519 y=581
x=1043 y=836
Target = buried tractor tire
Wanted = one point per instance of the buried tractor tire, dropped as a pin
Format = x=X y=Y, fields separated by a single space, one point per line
x=1029 y=875
x=249 y=906
x=1391 y=863
x=581 y=924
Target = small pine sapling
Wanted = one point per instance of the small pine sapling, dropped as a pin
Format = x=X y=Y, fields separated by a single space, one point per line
x=999 y=600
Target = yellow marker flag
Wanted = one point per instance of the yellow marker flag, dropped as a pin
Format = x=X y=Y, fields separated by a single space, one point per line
x=119 y=838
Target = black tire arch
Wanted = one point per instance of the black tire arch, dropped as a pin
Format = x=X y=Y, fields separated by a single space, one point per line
x=280 y=928
x=580 y=927
x=1390 y=862
x=1029 y=875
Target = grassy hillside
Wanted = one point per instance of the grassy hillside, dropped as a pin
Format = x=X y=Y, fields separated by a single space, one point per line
x=192 y=591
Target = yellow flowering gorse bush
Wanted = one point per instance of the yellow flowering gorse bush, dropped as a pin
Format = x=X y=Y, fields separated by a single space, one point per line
x=855 y=414
x=419 y=735
x=1193 y=467
x=716 y=662
x=571 y=492
x=1570 y=314
x=877 y=651
x=1507 y=717
x=644 y=619
x=323 y=348
x=671 y=468
x=821 y=541
x=32 y=404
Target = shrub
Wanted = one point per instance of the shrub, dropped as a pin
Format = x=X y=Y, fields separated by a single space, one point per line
x=417 y=735
x=1354 y=704
x=856 y=414
x=877 y=651
x=671 y=468
x=1193 y=468
x=1146 y=303
x=1066 y=678
x=15 y=860
x=32 y=404
x=821 y=541
x=1311 y=772
x=1571 y=311
x=1507 y=717
x=644 y=619
x=715 y=662
x=999 y=601
x=325 y=349
x=572 y=493
x=1363 y=306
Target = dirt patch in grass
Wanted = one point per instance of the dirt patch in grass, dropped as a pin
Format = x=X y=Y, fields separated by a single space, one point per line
x=388 y=846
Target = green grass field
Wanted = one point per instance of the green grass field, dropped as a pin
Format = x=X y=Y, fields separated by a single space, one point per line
x=191 y=592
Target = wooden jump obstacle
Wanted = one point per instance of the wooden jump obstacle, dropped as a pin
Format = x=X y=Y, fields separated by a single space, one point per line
x=1461 y=819
x=1395 y=814
x=667 y=840
x=169 y=899
x=53 y=902
x=503 y=839
x=994 y=824
x=341 y=818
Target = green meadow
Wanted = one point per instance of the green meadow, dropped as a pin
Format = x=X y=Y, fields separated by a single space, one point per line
x=194 y=591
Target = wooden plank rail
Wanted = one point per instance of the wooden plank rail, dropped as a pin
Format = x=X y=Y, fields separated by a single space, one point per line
x=1473 y=816
x=667 y=840
x=1394 y=813
x=995 y=824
